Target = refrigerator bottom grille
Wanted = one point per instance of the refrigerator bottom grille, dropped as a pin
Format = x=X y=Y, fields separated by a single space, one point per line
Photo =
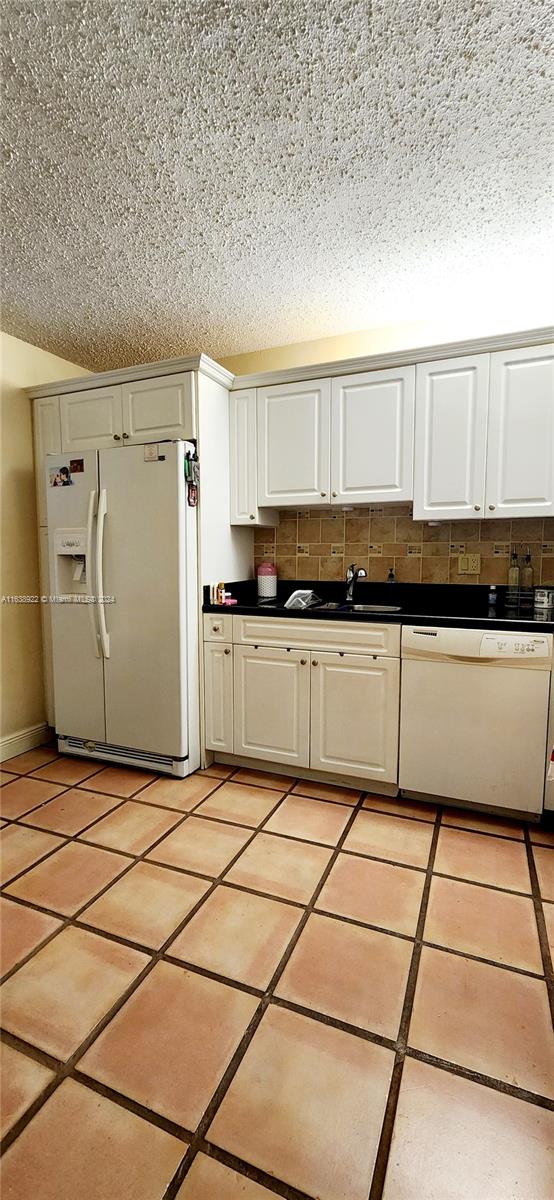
x=124 y=754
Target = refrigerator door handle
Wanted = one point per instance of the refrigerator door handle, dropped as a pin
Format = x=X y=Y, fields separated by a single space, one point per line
x=90 y=588
x=104 y=635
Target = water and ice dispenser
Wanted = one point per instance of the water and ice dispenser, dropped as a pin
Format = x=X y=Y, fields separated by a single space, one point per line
x=70 y=562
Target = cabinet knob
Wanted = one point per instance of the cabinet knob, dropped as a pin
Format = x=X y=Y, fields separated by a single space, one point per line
x=116 y=437
x=492 y=507
x=216 y=628
x=226 y=650
x=125 y=435
x=252 y=518
x=323 y=493
x=477 y=507
x=315 y=662
x=333 y=493
x=303 y=662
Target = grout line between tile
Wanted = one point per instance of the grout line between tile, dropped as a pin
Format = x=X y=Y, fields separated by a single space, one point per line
x=385 y=1140
x=488 y=1081
x=541 y=924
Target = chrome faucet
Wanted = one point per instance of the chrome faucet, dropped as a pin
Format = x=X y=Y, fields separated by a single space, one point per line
x=353 y=573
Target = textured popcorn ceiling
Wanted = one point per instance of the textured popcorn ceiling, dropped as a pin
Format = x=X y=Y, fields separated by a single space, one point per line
x=231 y=174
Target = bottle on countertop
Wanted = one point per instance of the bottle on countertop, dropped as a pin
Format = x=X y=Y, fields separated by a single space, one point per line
x=492 y=600
x=527 y=572
x=513 y=579
x=391 y=577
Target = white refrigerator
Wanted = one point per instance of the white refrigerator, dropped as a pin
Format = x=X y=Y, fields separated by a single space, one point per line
x=123 y=572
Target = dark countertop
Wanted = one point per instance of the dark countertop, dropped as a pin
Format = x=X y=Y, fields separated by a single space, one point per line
x=463 y=606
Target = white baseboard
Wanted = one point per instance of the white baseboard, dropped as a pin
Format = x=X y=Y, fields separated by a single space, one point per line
x=24 y=739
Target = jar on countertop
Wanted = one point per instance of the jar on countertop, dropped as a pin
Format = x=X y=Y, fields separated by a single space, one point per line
x=267 y=581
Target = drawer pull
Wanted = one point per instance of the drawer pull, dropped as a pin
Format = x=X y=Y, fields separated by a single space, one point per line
x=216 y=628
x=303 y=662
x=315 y=662
x=227 y=650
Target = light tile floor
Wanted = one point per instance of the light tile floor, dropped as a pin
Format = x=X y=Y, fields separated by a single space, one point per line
x=243 y=985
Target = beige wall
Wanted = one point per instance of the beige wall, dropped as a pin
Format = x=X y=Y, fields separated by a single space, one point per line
x=21 y=366
x=407 y=336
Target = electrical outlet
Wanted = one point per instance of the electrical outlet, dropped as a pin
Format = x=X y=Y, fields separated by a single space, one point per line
x=469 y=564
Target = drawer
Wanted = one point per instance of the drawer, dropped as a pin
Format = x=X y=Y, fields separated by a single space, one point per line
x=218 y=628
x=356 y=637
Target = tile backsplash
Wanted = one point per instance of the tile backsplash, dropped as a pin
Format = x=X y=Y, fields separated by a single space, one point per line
x=320 y=544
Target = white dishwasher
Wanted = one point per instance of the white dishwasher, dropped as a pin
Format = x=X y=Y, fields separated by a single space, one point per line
x=474 y=715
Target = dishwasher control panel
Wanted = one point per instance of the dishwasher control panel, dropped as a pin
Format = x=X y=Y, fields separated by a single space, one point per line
x=513 y=645
x=507 y=647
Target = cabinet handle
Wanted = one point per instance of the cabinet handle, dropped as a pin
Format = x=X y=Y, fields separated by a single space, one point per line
x=116 y=437
x=125 y=435
x=323 y=493
x=333 y=493
x=315 y=662
x=303 y=662
x=227 y=650
x=216 y=628
x=492 y=507
x=477 y=507
x=252 y=517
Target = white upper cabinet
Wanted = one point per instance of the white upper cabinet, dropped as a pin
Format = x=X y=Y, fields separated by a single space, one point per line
x=243 y=462
x=48 y=440
x=91 y=420
x=159 y=409
x=520 y=455
x=372 y=436
x=450 y=438
x=294 y=444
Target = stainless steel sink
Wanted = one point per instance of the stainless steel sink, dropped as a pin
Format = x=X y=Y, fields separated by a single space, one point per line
x=332 y=606
x=375 y=608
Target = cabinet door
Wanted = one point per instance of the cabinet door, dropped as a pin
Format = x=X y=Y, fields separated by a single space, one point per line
x=46 y=623
x=218 y=696
x=159 y=409
x=450 y=438
x=372 y=436
x=272 y=704
x=243 y=464
x=294 y=443
x=91 y=420
x=48 y=440
x=520 y=451
x=354 y=715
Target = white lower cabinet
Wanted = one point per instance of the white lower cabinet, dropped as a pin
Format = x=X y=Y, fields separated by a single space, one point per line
x=218 y=696
x=355 y=715
x=325 y=710
x=272 y=704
